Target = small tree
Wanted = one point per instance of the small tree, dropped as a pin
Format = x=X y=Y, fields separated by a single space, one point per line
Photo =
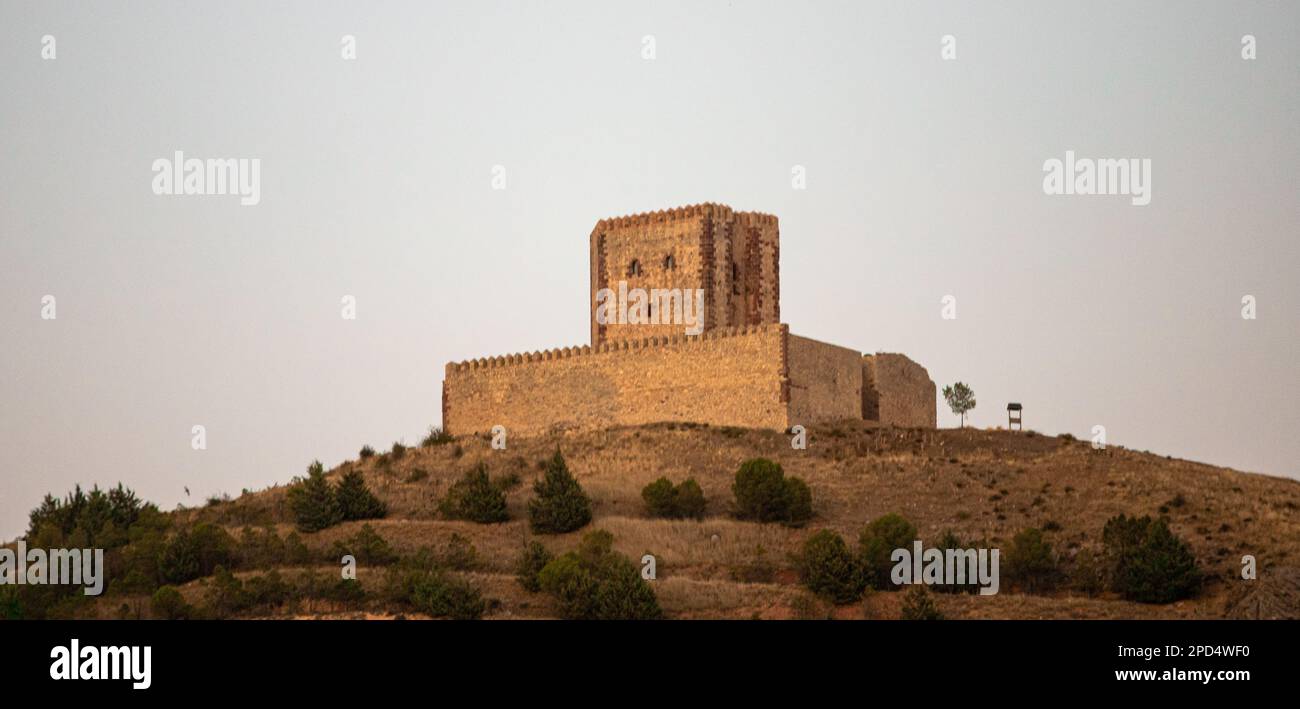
x=355 y=501
x=1148 y=562
x=530 y=564
x=168 y=604
x=1030 y=561
x=560 y=504
x=682 y=501
x=960 y=398
x=830 y=570
x=313 y=502
x=877 y=544
x=597 y=583
x=475 y=498
x=919 y=605
x=764 y=494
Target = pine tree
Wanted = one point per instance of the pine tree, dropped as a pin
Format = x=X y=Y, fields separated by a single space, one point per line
x=355 y=501
x=313 y=501
x=560 y=505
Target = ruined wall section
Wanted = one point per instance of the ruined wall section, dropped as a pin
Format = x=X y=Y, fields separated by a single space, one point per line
x=897 y=391
x=735 y=376
x=825 y=381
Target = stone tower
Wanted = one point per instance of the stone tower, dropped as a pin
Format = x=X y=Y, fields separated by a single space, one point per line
x=728 y=261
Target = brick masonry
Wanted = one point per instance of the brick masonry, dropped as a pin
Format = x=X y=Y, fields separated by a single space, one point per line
x=744 y=369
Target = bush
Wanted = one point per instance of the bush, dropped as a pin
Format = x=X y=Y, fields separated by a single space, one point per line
x=436 y=437
x=878 y=541
x=597 y=583
x=1148 y=562
x=530 y=564
x=168 y=604
x=683 y=501
x=830 y=570
x=313 y=502
x=459 y=554
x=355 y=500
x=398 y=450
x=366 y=546
x=560 y=504
x=764 y=494
x=195 y=552
x=417 y=581
x=1030 y=561
x=444 y=597
x=475 y=498
x=366 y=452
x=918 y=605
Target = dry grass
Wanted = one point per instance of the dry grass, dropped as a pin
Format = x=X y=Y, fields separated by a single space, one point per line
x=982 y=485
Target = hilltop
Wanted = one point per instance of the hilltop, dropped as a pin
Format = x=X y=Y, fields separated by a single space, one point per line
x=979 y=484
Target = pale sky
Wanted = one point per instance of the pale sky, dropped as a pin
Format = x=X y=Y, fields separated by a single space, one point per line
x=924 y=179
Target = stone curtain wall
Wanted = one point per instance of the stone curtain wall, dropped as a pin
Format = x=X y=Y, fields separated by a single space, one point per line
x=724 y=377
x=897 y=391
x=825 y=381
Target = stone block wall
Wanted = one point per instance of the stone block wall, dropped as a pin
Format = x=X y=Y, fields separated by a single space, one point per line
x=734 y=377
x=897 y=391
x=825 y=381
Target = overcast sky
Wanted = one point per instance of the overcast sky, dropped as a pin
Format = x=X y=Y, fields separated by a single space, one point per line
x=924 y=178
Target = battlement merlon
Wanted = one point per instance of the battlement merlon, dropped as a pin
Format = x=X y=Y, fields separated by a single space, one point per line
x=713 y=210
x=613 y=346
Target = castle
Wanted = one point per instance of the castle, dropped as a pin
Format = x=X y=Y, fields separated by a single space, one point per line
x=686 y=326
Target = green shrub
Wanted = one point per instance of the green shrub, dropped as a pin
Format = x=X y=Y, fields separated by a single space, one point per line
x=259 y=548
x=798 y=501
x=877 y=543
x=355 y=500
x=459 y=554
x=225 y=595
x=560 y=504
x=919 y=605
x=1030 y=561
x=830 y=570
x=195 y=552
x=475 y=498
x=295 y=552
x=366 y=452
x=530 y=564
x=683 y=501
x=597 y=583
x=418 y=582
x=1148 y=562
x=168 y=604
x=444 y=597
x=313 y=502
x=659 y=498
x=764 y=494
x=366 y=546
x=228 y=595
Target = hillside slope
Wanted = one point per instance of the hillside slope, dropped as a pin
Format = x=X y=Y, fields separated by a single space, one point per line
x=981 y=485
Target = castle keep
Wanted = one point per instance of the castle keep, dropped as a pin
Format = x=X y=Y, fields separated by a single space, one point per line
x=686 y=326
